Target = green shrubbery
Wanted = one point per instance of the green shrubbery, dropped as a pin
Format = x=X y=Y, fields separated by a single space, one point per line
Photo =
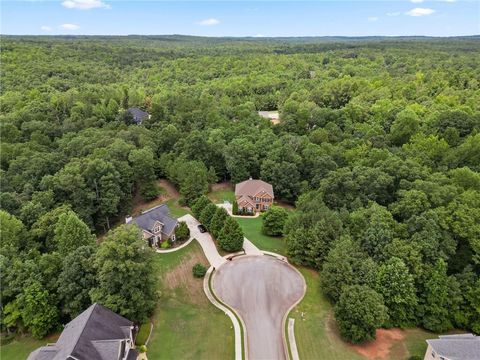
x=199 y=270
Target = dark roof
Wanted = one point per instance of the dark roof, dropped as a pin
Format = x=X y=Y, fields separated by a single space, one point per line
x=457 y=347
x=95 y=334
x=138 y=114
x=148 y=218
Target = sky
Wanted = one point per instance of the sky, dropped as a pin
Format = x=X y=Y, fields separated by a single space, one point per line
x=241 y=18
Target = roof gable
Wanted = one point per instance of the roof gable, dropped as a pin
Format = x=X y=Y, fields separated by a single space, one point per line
x=252 y=187
x=147 y=220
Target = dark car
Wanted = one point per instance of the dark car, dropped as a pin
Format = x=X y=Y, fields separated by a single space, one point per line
x=202 y=228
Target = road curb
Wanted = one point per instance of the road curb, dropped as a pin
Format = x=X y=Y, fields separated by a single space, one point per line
x=234 y=317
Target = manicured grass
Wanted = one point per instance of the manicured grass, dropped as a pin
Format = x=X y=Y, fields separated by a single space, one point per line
x=20 y=348
x=315 y=339
x=186 y=324
x=252 y=229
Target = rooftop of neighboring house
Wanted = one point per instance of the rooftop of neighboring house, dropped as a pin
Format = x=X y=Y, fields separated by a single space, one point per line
x=457 y=347
x=161 y=213
x=273 y=116
x=251 y=187
x=138 y=114
x=96 y=334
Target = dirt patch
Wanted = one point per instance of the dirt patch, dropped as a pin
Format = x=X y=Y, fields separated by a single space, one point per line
x=226 y=185
x=167 y=192
x=180 y=278
x=381 y=347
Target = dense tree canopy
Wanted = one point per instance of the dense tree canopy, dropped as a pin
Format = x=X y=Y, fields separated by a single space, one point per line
x=378 y=146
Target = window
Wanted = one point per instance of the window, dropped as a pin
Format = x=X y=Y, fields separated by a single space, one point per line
x=157 y=229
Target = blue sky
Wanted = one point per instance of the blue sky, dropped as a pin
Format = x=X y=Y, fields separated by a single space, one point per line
x=241 y=18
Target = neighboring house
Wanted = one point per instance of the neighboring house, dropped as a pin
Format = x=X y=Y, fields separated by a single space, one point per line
x=96 y=334
x=273 y=116
x=253 y=195
x=454 y=347
x=138 y=115
x=156 y=223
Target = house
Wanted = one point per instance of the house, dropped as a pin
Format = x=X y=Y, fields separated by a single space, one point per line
x=96 y=334
x=138 y=115
x=454 y=347
x=253 y=195
x=156 y=223
x=273 y=116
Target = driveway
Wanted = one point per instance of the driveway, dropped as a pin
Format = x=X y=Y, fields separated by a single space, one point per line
x=205 y=241
x=261 y=289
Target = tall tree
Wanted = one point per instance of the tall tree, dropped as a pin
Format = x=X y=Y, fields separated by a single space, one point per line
x=71 y=233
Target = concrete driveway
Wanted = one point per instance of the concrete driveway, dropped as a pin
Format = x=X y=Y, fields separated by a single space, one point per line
x=261 y=289
x=205 y=241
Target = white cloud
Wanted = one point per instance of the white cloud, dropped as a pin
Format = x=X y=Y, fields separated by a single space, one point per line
x=420 y=12
x=85 y=4
x=372 y=18
x=45 y=28
x=69 y=27
x=209 y=22
x=416 y=1
x=397 y=13
x=259 y=35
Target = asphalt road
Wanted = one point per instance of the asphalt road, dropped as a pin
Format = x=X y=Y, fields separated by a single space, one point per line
x=260 y=289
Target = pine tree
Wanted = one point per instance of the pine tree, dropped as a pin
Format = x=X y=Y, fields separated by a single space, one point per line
x=231 y=236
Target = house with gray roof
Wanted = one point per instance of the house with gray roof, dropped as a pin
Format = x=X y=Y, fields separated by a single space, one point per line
x=253 y=195
x=96 y=334
x=138 y=115
x=454 y=347
x=156 y=224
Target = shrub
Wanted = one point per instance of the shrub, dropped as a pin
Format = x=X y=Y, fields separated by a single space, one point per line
x=142 y=348
x=165 y=245
x=199 y=270
x=274 y=221
x=142 y=335
x=235 y=208
x=182 y=232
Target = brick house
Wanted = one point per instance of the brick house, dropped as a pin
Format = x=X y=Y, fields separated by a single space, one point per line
x=253 y=196
x=156 y=224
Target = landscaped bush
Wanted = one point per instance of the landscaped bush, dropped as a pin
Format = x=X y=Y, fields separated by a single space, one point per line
x=235 y=208
x=199 y=270
x=142 y=335
x=182 y=232
x=142 y=349
x=218 y=220
x=165 y=245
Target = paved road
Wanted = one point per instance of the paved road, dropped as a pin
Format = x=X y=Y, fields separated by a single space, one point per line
x=205 y=241
x=261 y=289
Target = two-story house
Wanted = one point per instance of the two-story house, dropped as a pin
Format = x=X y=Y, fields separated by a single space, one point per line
x=156 y=224
x=253 y=196
x=96 y=334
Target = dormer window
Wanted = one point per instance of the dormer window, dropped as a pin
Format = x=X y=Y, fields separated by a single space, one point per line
x=157 y=229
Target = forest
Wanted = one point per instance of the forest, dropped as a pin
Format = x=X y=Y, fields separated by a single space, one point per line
x=378 y=148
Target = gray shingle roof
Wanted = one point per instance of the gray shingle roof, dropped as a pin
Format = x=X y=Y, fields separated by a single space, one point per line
x=95 y=334
x=457 y=347
x=148 y=218
x=138 y=114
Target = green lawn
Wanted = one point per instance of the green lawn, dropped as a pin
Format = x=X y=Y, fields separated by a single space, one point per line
x=219 y=196
x=175 y=209
x=252 y=228
x=186 y=324
x=20 y=348
x=315 y=339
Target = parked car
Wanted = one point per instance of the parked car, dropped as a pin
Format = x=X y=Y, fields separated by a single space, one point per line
x=202 y=228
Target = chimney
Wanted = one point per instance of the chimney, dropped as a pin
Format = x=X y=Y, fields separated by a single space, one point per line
x=128 y=219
